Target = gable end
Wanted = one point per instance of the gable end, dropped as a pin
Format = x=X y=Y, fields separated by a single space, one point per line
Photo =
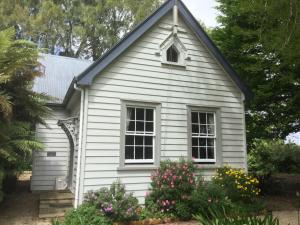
x=86 y=78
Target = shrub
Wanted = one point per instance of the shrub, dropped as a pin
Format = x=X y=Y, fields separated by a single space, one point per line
x=268 y=157
x=225 y=220
x=86 y=214
x=171 y=188
x=238 y=186
x=114 y=203
x=208 y=197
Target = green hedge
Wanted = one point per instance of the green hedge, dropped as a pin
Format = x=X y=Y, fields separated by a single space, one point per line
x=268 y=157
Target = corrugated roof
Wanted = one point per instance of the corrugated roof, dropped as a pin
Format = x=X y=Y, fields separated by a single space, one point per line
x=59 y=72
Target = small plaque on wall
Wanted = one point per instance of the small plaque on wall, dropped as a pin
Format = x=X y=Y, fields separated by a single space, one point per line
x=51 y=154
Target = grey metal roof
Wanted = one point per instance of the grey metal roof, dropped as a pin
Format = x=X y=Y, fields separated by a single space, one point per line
x=59 y=71
x=87 y=76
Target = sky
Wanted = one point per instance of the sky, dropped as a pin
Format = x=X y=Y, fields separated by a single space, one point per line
x=203 y=10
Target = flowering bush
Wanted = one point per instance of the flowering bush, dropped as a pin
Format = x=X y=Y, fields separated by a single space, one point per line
x=172 y=184
x=238 y=185
x=114 y=203
x=86 y=214
x=209 y=197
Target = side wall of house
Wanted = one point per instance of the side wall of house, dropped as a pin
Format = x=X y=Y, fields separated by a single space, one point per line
x=46 y=169
x=139 y=75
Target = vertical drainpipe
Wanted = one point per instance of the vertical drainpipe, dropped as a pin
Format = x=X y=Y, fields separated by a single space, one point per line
x=245 y=133
x=175 y=18
x=82 y=97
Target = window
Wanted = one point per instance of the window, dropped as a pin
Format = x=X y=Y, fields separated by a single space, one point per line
x=203 y=135
x=172 y=54
x=139 y=135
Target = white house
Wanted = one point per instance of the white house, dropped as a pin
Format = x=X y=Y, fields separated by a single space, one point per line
x=163 y=92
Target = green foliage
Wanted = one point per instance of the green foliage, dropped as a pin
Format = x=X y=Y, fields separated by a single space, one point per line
x=238 y=186
x=85 y=214
x=114 y=203
x=75 y=28
x=208 y=197
x=269 y=157
x=173 y=184
x=261 y=41
x=221 y=219
x=20 y=107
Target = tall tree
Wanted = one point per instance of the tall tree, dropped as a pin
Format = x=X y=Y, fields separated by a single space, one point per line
x=85 y=28
x=261 y=40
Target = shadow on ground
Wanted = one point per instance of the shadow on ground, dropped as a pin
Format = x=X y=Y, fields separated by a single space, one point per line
x=20 y=206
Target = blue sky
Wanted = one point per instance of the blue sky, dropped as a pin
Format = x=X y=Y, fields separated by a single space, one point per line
x=203 y=10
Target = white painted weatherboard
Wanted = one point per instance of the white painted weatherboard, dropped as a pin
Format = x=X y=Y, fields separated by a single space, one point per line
x=46 y=169
x=139 y=75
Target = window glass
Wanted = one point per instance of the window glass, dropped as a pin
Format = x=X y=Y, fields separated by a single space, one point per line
x=139 y=135
x=203 y=129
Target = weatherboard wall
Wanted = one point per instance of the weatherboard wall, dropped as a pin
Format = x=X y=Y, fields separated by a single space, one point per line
x=138 y=75
x=46 y=169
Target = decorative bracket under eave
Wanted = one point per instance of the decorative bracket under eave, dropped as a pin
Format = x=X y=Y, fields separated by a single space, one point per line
x=70 y=127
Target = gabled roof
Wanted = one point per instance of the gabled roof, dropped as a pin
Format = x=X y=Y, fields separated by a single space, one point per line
x=87 y=76
x=59 y=71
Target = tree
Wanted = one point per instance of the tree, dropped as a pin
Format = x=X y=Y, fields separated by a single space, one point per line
x=20 y=107
x=261 y=41
x=85 y=28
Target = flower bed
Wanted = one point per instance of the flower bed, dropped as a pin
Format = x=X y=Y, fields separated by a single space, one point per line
x=176 y=193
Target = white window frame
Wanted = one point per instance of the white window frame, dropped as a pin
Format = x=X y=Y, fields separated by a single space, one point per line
x=141 y=164
x=134 y=133
x=214 y=137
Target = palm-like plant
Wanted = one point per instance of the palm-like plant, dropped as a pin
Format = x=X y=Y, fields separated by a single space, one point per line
x=20 y=107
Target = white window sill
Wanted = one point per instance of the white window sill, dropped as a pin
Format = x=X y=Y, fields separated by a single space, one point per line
x=138 y=167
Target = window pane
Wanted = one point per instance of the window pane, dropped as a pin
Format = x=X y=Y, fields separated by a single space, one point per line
x=172 y=54
x=130 y=126
x=210 y=118
x=202 y=142
x=148 y=140
x=195 y=128
x=140 y=126
x=129 y=140
x=139 y=140
x=139 y=153
x=130 y=113
x=194 y=141
x=211 y=130
x=140 y=114
x=195 y=117
x=195 y=152
x=203 y=129
x=202 y=153
x=203 y=118
x=210 y=142
x=210 y=152
x=149 y=114
x=149 y=126
x=148 y=152
x=129 y=153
